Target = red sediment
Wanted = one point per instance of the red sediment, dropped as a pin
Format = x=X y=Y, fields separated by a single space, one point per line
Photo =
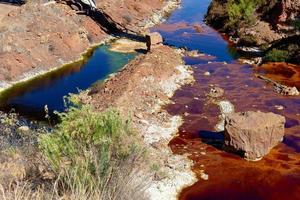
x=287 y=74
x=277 y=176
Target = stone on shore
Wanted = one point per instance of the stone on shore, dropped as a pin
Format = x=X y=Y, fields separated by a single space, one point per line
x=253 y=133
x=153 y=40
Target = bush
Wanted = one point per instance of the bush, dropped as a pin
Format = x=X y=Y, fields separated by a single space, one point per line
x=94 y=154
x=242 y=10
x=296 y=24
x=276 y=55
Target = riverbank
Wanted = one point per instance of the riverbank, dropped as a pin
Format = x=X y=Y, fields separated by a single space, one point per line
x=38 y=37
x=271 y=31
x=139 y=92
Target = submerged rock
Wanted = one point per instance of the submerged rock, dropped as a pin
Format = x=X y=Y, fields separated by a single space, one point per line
x=253 y=133
x=215 y=92
x=281 y=89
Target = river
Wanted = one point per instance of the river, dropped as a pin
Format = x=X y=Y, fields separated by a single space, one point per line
x=50 y=89
x=277 y=176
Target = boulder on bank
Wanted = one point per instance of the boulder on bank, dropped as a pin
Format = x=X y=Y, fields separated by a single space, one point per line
x=153 y=40
x=253 y=133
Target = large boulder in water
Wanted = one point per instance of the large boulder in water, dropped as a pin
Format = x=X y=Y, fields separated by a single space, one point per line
x=253 y=133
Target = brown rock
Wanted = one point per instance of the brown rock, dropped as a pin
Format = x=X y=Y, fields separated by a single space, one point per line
x=215 y=92
x=290 y=9
x=153 y=40
x=253 y=133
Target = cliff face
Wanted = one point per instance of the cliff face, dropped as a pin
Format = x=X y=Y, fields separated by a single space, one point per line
x=39 y=36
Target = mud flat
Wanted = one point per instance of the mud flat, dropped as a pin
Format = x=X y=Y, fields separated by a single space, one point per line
x=139 y=92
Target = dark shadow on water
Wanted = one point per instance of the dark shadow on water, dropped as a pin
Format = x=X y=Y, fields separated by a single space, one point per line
x=143 y=51
x=215 y=139
x=12 y=2
x=293 y=142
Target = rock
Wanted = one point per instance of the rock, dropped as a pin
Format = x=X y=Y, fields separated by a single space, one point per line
x=279 y=88
x=206 y=73
x=23 y=129
x=289 y=10
x=203 y=175
x=216 y=92
x=153 y=40
x=285 y=90
x=279 y=107
x=198 y=28
x=193 y=53
x=253 y=133
x=226 y=107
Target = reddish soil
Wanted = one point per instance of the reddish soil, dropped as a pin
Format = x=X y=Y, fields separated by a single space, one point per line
x=38 y=37
x=130 y=13
x=132 y=89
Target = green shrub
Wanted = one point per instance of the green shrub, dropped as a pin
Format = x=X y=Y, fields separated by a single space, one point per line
x=241 y=11
x=91 y=150
x=276 y=55
x=296 y=24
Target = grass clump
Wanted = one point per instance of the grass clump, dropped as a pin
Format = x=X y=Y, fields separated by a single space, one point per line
x=277 y=55
x=95 y=155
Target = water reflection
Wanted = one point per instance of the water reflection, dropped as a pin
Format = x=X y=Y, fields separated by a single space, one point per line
x=30 y=98
x=277 y=176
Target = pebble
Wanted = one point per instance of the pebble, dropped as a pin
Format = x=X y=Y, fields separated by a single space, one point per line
x=23 y=129
x=279 y=107
x=204 y=176
x=206 y=73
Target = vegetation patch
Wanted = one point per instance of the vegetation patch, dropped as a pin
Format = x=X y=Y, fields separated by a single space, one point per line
x=277 y=55
x=94 y=154
x=241 y=11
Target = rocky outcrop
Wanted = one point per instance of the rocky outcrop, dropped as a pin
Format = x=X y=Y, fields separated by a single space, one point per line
x=290 y=10
x=153 y=40
x=253 y=134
